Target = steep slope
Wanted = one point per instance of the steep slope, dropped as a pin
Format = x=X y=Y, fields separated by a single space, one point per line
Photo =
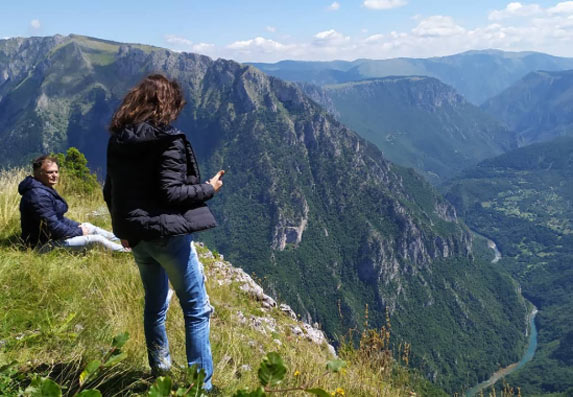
x=417 y=122
x=522 y=201
x=314 y=210
x=477 y=75
x=538 y=108
x=62 y=309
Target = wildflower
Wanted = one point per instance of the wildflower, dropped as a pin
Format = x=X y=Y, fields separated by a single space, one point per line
x=297 y=373
x=339 y=392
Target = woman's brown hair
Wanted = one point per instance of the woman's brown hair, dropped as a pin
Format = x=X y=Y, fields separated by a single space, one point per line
x=155 y=99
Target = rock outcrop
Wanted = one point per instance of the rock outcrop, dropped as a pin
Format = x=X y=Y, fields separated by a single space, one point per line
x=225 y=274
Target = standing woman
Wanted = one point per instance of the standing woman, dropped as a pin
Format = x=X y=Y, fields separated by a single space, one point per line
x=156 y=199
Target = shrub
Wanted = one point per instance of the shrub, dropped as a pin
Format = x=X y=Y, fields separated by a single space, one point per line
x=76 y=176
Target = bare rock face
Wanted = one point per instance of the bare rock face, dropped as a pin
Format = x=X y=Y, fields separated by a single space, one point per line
x=25 y=56
x=289 y=231
x=225 y=274
x=287 y=310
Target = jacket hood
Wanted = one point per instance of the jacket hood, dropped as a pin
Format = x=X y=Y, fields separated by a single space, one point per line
x=30 y=183
x=144 y=132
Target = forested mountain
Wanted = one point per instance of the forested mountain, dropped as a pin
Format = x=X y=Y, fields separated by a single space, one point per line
x=417 y=122
x=477 y=75
x=315 y=211
x=522 y=201
x=538 y=108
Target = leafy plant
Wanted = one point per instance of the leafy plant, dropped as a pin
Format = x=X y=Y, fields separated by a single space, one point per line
x=192 y=385
x=11 y=379
x=113 y=356
x=272 y=373
x=78 y=177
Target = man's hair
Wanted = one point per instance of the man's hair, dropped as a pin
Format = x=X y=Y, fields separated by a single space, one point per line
x=37 y=163
x=156 y=99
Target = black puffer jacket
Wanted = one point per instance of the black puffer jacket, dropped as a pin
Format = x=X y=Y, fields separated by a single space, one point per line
x=42 y=212
x=153 y=187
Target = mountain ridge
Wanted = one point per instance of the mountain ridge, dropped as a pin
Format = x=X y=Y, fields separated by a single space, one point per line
x=417 y=121
x=538 y=107
x=463 y=71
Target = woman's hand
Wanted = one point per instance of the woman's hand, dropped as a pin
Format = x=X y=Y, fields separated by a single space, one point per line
x=216 y=181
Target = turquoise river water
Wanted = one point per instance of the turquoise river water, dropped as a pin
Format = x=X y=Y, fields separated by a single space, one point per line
x=529 y=353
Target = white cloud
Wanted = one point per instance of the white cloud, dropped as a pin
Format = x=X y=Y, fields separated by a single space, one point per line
x=271 y=29
x=334 y=6
x=515 y=9
x=438 y=26
x=383 y=4
x=330 y=38
x=202 y=48
x=259 y=43
x=184 y=44
x=182 y=41
x=375 y=38
x=516 y=27
x=562 y=8
x=261 y=49
x=35 y=24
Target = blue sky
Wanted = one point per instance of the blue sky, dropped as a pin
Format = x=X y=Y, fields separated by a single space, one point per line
x=271 y=30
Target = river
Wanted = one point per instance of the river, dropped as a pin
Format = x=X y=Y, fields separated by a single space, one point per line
x=527 y=356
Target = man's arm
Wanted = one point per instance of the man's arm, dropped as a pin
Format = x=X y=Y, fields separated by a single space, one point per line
x=70 y=223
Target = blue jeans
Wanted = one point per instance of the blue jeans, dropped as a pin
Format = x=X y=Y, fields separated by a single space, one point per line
x=175 y=259
x=96 y=236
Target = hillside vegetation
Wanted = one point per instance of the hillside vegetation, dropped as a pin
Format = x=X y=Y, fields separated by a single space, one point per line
x=417 y=122
x=539 y=107
x=522 y=201
x=61 y=309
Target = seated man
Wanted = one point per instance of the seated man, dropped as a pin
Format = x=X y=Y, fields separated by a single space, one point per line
x=42 y=212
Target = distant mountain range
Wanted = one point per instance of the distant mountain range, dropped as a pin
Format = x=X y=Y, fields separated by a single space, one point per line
x=477 y=75
x=417 y=122
x=326 y=222
x=522 y=201
x=538 y=107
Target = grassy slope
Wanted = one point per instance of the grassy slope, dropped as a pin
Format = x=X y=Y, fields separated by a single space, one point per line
x=62 y=308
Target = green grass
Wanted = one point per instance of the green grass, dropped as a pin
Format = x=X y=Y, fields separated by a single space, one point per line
x=61 y=309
